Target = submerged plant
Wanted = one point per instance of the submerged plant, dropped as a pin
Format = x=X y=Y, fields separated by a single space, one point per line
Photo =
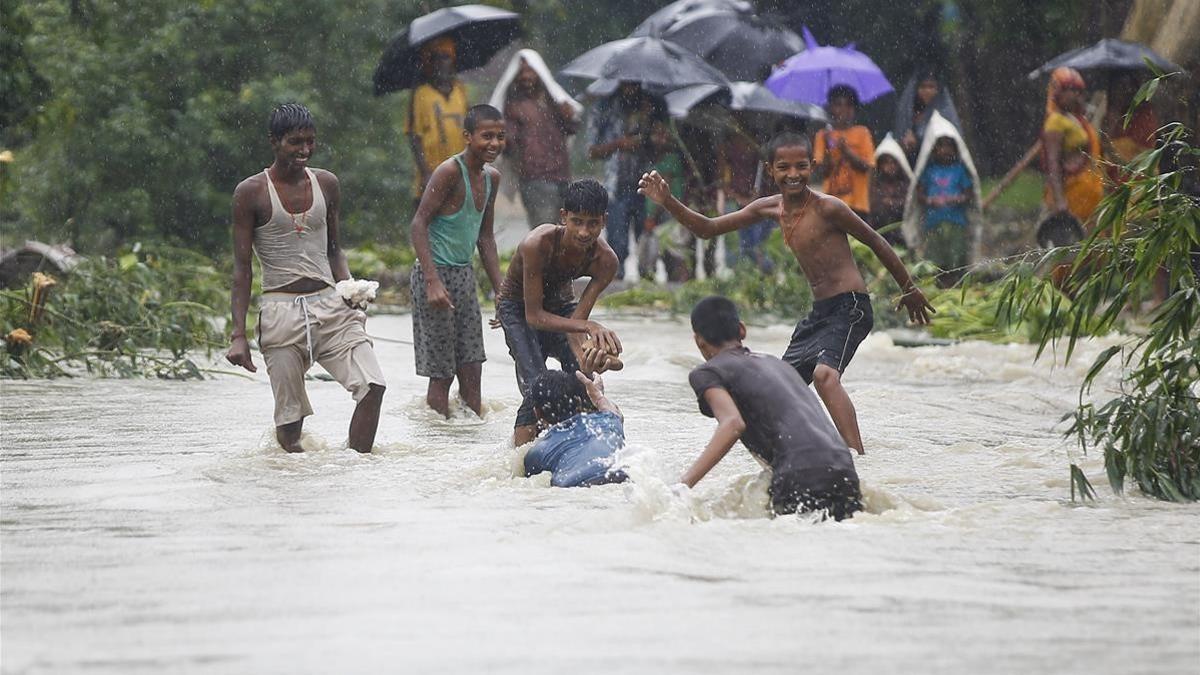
x=145 y=314
x=1146 y=226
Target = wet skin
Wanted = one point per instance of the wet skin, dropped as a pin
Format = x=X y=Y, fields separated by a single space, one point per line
x=535 y=256
x=444 y=195
x=816 y=227
x=251 y=209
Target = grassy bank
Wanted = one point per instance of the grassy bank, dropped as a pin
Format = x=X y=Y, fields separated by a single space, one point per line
x=139 y=314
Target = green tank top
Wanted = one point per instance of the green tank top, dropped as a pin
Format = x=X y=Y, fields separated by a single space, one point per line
x=453 y=237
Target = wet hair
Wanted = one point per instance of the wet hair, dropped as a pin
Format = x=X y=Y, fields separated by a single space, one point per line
x=289 y=117
x=787 y=139
x=480 y=113
x=715 y=319
x=586 y=196
x=557 y=395
x=842 y=91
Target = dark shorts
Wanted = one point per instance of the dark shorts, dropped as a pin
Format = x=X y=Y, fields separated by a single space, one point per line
x=832 y=491
x=530 y=348
x=830 y=334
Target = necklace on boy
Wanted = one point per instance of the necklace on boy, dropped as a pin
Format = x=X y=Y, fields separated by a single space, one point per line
x=300 y=223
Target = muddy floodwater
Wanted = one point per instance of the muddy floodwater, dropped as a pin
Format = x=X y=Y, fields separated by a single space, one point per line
x=154 y=527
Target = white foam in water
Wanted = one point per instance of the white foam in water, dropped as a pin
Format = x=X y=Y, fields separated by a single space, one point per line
x=153 y=526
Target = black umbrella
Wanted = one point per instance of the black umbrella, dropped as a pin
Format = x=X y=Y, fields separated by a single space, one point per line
x=648 y=61
x=744 y=47
x=656 y=23
x=1107 y=54
x=478 y=31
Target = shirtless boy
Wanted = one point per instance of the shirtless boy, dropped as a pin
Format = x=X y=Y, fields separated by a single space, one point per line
x=817 y=228
x=288 y=215
x=536 y=305
x=455 y=217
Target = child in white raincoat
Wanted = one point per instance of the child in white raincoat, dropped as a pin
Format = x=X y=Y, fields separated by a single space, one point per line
x=942 y=217
x=890 y=180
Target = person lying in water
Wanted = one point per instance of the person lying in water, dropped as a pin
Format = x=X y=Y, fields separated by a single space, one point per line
x=816 y=227
x=584 y=430
x=762 y=401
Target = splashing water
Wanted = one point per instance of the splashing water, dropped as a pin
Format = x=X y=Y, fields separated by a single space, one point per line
x=152 y=526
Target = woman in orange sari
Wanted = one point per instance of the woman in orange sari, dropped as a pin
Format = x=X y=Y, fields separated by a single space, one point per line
x=1071 y=147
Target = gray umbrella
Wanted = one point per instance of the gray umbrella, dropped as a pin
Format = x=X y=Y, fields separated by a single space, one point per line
x=743 y=47
x=742 y=96
x=1107 y=54
x=479 y=32
x=660 y=21
x=757 y=108
x=648 y=61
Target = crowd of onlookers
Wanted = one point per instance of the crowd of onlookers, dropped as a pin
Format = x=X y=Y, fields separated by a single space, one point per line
x=917 y=184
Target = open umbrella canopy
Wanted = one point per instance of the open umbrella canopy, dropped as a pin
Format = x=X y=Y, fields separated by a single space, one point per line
x=478 y=31
x=743 y=46
x=1107 y=54
x=741 y=96
x=648 y=61
x=655 y=24
x=809 y=75
x=748 y=106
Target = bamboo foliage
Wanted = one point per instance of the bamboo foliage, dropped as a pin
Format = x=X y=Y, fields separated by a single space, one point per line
x=1149 y=431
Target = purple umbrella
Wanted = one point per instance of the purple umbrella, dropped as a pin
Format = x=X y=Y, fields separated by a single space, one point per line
x=809 y=75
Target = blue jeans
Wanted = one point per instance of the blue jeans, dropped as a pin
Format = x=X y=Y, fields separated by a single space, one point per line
x=580 y=451
x=627 y=209
x=530 y=348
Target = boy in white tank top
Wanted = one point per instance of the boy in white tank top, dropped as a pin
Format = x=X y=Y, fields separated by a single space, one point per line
x=288 y=216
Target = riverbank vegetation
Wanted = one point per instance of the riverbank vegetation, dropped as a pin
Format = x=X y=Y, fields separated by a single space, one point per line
x=121 y=126
x=140 y=314
x=1147 y=234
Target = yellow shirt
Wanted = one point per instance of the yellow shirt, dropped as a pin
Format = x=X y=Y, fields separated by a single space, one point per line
x=1084 y=187
x=1075 y=136
x=844 y=181
x=438 y=121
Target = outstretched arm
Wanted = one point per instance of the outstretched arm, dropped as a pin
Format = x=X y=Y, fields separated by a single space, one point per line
x=603 y=270
x=655 y=187
x=533 y=256
x=730 y=426
x=595 y=386
x=912 y=299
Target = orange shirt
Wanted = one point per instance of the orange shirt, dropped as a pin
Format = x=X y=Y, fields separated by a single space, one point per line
x=843 y=180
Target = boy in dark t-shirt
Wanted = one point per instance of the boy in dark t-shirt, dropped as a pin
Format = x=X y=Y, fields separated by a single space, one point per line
x=817 y=228
x=764 y=402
